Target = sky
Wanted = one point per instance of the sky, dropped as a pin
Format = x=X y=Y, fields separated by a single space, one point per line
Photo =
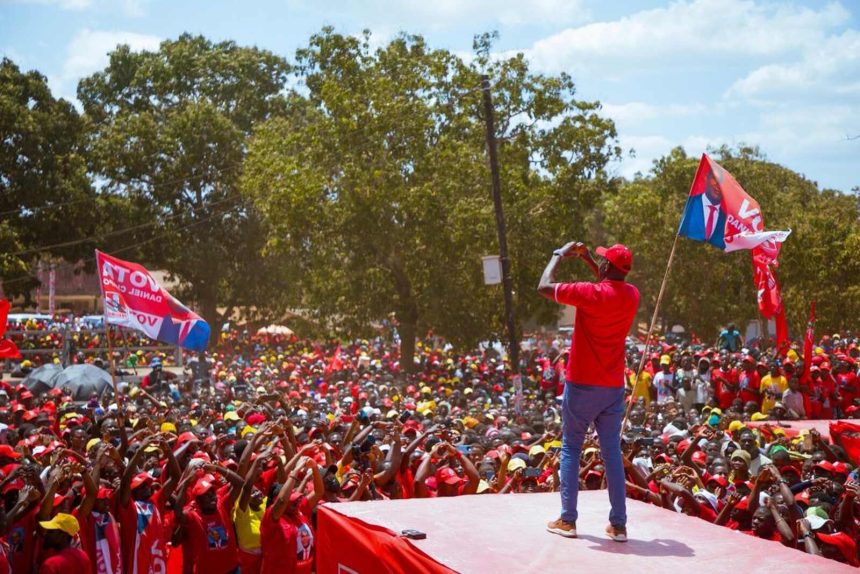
x=782 y=75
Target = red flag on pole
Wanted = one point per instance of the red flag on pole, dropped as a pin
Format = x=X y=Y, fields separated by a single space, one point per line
x=8 y=349
x=336 y=363
x=808 y=343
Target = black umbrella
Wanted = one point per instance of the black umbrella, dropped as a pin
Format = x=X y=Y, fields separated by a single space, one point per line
x=43 y=379
x=84 y=380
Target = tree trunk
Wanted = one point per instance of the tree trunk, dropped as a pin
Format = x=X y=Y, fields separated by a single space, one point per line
x=209 y=311
x=407 y=345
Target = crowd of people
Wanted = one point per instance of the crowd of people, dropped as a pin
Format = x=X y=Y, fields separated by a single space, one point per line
x=221 y=468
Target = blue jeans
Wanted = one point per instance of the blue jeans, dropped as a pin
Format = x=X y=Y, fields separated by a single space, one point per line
x=604 y=406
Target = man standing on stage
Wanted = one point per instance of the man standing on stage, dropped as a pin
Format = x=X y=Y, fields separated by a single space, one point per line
x=594 y=392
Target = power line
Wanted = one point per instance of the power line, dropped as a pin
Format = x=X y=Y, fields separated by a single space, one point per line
x=112 y=233
x=129 y=247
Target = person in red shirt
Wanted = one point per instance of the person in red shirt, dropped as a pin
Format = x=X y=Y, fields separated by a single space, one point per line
x=749 y=382
x=286 y=534
x=725 y=383
x=595 y=375
x=61 y=558
x=99 y=533
x=209 y=533
x=143 y=531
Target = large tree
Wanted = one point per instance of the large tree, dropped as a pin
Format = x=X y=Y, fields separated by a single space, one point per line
x=708 y=288
x=169 y=132
x=47 y=204
x=379 y=195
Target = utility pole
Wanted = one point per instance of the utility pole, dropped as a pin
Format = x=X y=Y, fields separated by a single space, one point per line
x=507 y=281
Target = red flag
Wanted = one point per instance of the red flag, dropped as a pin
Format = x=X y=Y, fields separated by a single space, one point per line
x=769 y=297
x=808 y=343
x=336 y=363
x=4 y=315
x=720 y=212
x=8 y=349
x=847 y=435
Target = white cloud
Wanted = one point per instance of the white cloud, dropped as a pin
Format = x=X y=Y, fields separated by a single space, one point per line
x=64 y=4
x=439 y=14
x=688 y=31
x=634 y=112
x=830 y=68
x=131 y=8
x=88 y=53
x=646 y=147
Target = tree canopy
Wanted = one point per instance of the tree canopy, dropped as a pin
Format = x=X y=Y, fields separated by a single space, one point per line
x=169 y=133
x=379 y=195
x=46 y=198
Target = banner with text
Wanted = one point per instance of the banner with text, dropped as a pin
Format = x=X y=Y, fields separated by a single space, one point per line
x=134 y=299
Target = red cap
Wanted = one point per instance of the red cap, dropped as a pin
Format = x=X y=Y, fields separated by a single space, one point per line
x=824 y=465
x=847 y=547
x=104 y=493
x=619 y=255
x=202 y=487
x=140 y=479
x=447 y=475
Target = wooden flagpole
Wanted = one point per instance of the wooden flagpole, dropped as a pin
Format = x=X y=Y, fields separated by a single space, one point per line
x=651 y=328
x=117 y=398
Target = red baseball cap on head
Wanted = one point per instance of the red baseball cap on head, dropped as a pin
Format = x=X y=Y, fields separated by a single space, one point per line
x=140 y=479
x=202 y=487
x=447 y=475
x=619 y=255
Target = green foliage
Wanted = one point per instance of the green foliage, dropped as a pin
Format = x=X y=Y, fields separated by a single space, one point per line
x=379 y=195
x=45 y=194
x=169 y=132
x=708 y=288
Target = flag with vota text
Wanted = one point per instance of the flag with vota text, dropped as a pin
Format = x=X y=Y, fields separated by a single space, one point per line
x=721 y=213
x=134 y=299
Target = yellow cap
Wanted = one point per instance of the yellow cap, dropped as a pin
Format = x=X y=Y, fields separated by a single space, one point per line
x=91 y=443
x=168 y=427
x=231 y=416
x=248 y=429
x=735 y=426
x=536 y=450
x=515 y=464
x=758 y=416
x=62 y=521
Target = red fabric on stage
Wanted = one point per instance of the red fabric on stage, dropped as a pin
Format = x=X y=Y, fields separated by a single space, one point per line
x=847 y=435
x=346 y=544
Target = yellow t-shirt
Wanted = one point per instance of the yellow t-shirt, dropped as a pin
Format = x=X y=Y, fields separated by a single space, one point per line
x=643 y=387
x=774 y=385
x=248 y=527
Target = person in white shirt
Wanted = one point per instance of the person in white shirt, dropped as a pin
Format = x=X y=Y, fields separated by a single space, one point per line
x=792 y=398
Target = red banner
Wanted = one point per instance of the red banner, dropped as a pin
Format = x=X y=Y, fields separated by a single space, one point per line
x=8 y=349
x=808 y=343
x=134 y=299
x=346 y=545
x=847 y=435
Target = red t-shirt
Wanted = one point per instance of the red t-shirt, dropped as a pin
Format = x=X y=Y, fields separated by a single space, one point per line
x=604 y=315
x=747 y=381
x=144 y=536
x=22 y=543
x=212 y=539
x=99 y=536
x=725 y=395
x=68 y=561
x=287 y=543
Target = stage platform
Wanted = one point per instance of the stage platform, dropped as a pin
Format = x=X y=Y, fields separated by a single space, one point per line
x=506 y=533
x=794 y=427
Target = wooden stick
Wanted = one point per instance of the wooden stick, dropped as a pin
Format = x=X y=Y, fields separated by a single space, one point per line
x=651 y=329
x=116 y=396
